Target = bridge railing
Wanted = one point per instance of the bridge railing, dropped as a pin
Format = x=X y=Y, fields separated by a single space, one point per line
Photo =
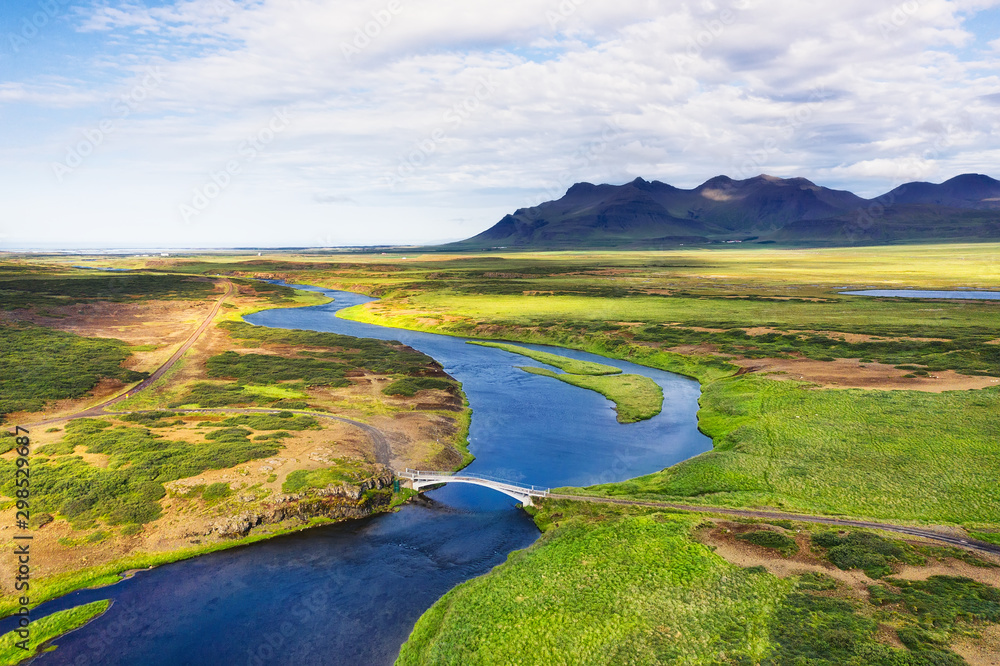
x=411 y=473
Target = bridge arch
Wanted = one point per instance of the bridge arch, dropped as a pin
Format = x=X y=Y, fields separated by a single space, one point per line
x=521 y=492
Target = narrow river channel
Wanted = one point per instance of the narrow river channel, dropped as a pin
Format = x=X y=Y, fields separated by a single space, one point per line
x=350 y=593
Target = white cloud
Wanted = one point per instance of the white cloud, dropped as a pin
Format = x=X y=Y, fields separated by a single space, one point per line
x=486 y=107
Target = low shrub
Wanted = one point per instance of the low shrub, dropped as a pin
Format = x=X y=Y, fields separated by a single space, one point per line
x=771 y=539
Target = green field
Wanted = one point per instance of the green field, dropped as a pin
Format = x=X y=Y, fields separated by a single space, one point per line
x=128 y=490
x=39 y=365
x=634 y=590
x=613 y=585
x=895 y=455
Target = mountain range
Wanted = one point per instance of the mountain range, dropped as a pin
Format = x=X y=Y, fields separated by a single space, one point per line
x=789 y=211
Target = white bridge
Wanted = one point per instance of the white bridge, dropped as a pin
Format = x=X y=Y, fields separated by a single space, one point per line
x=518 y=491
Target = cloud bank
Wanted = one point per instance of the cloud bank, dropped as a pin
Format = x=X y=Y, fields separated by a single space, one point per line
x=426 y=120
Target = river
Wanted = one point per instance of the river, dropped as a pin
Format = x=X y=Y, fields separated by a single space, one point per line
x=350 y=593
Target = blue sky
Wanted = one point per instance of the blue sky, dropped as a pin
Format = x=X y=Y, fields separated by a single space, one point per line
x=307 y=122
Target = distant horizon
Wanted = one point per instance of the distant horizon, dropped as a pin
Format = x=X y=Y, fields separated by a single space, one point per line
x=104 y=248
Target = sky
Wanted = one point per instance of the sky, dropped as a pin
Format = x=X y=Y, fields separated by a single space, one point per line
x=270 y=123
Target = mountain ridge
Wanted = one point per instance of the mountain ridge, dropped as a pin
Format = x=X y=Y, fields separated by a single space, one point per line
x=763 y=209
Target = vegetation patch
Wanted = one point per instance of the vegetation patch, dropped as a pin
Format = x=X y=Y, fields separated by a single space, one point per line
x=279 y=421
x=864 y=550
x=636 y=397
x=139 y=463
x=72 y=366
x=153 y=419
x=342 y=471
x=47 y=628
x=46 y=291
x=897 y=455
x=771 y=539
x=214 y=492
x=565 y=364
x=212 y=394
x=409 y=386
x=376 y=356
x=271 y=369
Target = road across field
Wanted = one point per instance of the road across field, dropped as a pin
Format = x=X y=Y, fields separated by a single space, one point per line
x=99 y=410
x=971 y=544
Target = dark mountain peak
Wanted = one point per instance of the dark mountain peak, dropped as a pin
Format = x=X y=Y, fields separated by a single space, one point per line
x=972 y=180
x=969 y=190
x=716 y=183
x=581 y=188
x=648 y=214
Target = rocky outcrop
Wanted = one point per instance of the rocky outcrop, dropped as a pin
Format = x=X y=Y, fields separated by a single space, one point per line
x=343 y=501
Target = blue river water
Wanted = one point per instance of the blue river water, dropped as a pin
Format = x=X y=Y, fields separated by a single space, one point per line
x=350 y=593
x=917 y=293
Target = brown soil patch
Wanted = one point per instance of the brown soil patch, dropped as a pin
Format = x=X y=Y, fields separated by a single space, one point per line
x=95 y=459
x=165 y=324
x=851 y=373
x=420 y=440
x=984 y=651
x=837 y=335
x=744 y=554
x=700 y=329
x=951 y=567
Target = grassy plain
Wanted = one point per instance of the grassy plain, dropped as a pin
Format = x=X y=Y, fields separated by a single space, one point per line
x=895 y=455
x=616 y=585
x=40 y=365
x=779 y=440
